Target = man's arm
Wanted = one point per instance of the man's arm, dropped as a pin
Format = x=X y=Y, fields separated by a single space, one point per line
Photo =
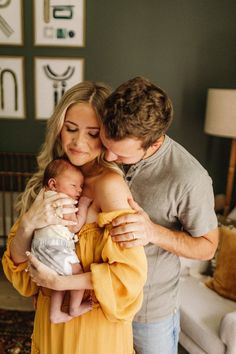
x=139 y=228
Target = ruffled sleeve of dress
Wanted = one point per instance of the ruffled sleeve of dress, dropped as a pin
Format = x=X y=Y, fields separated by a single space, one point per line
x=15 y=273
x=118 y=282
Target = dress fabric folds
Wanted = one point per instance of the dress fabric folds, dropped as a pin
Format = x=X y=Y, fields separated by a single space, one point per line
x=118 y=277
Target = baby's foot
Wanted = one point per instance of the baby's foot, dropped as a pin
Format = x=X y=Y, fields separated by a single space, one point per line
x=60 y=317
x=84 y=307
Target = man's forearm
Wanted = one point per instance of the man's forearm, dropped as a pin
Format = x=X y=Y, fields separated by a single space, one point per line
x=183 y=244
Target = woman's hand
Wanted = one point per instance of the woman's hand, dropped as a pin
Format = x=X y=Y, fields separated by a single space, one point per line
x=48 y=210
x=132 y=229
x=41 y=274
x=48 y=278
x=45 y=210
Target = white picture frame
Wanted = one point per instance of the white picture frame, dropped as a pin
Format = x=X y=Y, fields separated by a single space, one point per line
x=11 y=22
x=53 y=76
x=59 y=23
x=12 y=90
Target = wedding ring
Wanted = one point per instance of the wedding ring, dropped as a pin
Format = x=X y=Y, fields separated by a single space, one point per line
x=133 y=235
x=54 y=205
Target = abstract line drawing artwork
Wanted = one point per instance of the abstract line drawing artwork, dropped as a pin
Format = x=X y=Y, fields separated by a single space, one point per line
x=58 y=80
x=59 y=22
x=53 y=76
x=11 y=26
x=12 y=93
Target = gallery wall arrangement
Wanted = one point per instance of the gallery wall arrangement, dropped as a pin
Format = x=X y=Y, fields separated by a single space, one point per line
x=54 y=25
x=185 y=47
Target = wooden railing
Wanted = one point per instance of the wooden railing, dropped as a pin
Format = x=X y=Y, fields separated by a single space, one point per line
x=15 y=170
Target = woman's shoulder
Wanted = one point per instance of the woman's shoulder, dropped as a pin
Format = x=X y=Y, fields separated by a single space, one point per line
x=111 y=191
x=109 y=177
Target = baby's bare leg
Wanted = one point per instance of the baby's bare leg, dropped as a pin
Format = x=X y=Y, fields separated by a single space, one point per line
x=77 y=307
x=56 y=314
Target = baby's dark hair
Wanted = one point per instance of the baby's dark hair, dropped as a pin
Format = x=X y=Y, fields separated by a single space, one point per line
x=55 y=168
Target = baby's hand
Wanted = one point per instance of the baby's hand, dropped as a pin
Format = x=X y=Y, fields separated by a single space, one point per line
x=74 y=229
x=84 y=201
x=76 y=238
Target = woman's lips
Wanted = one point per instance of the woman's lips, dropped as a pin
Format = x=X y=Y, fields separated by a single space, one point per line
x=77 y=152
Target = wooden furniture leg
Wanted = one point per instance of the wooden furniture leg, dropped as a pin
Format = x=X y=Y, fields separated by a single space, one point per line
x=230 y=178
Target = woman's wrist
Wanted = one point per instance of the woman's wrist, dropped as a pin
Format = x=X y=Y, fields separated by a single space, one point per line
x=72 y=282
x=22 y=241
x=26 y=226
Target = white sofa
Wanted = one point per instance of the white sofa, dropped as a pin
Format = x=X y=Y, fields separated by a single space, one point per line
x=208 y=320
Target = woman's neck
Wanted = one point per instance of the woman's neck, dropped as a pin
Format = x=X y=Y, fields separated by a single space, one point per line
x=91 y=169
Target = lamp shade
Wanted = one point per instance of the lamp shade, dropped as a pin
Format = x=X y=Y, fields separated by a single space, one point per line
x=221 y=113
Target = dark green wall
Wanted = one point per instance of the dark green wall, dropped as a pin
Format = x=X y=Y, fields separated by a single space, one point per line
x=184 y=46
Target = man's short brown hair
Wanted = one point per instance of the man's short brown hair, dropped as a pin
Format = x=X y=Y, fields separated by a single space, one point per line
x=137 y=109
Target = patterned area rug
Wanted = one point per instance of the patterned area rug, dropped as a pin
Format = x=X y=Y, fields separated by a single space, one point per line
x=16 y=328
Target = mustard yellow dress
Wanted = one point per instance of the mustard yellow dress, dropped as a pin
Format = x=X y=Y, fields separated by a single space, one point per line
x=118 y=277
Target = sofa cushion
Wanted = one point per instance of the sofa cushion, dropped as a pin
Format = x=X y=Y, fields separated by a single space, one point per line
x=192 y=267
x=222 y=221
x=224 y=277
x=201 y=311
x=189 y=344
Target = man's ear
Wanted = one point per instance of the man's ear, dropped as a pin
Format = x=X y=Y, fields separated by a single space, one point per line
x=52 y=184
x=155 y=146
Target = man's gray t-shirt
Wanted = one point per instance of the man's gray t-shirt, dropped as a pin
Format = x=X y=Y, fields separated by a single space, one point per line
x=176 y=192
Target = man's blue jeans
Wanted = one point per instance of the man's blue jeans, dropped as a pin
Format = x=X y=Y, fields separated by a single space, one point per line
x=158 y=337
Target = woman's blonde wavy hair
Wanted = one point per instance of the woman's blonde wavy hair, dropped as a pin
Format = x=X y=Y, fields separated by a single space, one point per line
x=90 y=92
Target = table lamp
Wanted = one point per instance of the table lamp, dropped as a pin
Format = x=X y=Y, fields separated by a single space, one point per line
x=221 y=121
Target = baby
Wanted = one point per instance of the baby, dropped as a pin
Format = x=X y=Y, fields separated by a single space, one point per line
x=54 y=245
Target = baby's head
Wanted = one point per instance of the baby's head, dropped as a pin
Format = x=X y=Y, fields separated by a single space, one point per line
x=61 y=176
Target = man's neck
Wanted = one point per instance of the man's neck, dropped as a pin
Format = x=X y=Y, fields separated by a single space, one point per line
x=154 y=148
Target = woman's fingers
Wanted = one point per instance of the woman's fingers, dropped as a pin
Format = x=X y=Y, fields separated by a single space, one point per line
x=50 y=210
x=60 y=211
x=60 y=199
x=33 y=261
x=40 y=274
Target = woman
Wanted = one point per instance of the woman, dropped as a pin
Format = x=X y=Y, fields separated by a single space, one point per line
x=115 y=275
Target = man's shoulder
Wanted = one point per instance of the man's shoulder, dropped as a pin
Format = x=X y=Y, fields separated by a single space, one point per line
x=174 y=166
x=184 y=160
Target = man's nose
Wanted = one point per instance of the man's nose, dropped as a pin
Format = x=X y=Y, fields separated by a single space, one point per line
x=110 y=156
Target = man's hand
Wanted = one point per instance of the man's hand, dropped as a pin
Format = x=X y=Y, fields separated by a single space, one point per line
x=133 y=229
x=41 y=274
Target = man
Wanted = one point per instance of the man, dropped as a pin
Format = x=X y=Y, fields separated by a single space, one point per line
x=175 y=192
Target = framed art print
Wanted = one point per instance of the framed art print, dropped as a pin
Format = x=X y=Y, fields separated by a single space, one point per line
x=53 y=76
x=11 y=26
x=12 y=91
x=59 y=23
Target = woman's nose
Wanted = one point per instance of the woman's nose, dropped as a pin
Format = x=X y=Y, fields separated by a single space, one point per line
x=78 y=139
